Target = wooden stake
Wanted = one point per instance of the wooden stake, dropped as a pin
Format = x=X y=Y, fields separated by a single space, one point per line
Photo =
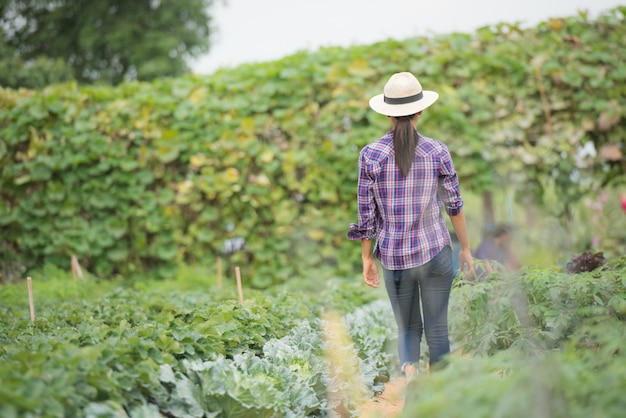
x=219 y=272
x=239 y=287
x=76 y=270
x=73 y=269
x=31 y=301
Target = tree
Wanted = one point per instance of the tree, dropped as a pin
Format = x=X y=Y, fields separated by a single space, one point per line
x=35 y=74
x=109 y=41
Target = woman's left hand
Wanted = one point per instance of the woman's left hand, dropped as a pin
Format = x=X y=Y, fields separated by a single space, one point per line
x=370 y=272
x=467 y=263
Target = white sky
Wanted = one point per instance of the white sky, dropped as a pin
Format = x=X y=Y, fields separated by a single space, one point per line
x=262 y=30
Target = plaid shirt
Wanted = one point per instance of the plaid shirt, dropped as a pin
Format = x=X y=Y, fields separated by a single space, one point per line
x=404 y=213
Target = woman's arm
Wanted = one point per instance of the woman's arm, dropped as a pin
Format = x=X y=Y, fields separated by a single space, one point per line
x=465 y=254
x=370 y=268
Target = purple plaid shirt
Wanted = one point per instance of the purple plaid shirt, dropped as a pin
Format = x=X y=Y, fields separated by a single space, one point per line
x=404 y=213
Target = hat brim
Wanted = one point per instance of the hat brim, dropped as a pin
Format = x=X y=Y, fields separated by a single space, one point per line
x=377 y=103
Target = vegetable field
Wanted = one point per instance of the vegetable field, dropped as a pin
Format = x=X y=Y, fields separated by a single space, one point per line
x=542 y=343
x=153 y=350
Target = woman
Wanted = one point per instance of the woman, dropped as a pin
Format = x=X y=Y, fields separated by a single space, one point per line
x=404 y=179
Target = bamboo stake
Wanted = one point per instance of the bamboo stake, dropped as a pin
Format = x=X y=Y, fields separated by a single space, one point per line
x=73 y=263
x=239 y=287
x=73 y=269
x=219 y=272
x=31 y=301
x=76 y=270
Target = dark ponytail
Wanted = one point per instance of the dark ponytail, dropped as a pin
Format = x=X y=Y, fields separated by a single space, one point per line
x=404 y=142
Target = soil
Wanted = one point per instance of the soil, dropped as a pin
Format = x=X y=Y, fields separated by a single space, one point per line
x=388 y=404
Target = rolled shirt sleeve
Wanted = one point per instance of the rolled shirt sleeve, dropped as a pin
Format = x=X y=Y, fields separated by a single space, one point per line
x=368 y=212
x=449 y=191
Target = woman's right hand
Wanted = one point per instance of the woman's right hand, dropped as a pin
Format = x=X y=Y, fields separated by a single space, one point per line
x=370 y=272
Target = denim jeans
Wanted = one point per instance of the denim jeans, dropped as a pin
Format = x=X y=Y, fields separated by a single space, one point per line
x=425 y=288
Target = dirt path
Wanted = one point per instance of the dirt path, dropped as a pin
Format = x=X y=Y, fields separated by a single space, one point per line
x=388 y=404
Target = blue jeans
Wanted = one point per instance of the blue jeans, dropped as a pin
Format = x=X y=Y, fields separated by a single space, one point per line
x=432 y=281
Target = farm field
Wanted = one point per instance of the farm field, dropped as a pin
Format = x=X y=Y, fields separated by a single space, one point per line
x=149 y=185
x=180 y=348
x=543 y=341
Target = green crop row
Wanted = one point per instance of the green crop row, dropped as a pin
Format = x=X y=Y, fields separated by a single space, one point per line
x=192 y=353
x=258 y=163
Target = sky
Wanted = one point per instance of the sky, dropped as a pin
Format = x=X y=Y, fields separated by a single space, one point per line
x=264 y=30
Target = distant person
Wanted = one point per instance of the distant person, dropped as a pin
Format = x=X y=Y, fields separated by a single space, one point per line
x=405 y=179
x=497 y=247
x=622 y=199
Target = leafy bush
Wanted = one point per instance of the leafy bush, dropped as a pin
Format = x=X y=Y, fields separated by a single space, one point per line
x=538 y=309
x=545 y=343
x=586 y=261
x=555 y=384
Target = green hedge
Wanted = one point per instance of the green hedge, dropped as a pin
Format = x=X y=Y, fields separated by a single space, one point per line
x=146 y=176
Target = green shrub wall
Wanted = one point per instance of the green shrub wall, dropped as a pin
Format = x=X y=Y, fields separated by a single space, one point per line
x=143 y=177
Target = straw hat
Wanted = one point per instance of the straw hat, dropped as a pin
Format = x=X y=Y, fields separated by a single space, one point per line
x=403 y=96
